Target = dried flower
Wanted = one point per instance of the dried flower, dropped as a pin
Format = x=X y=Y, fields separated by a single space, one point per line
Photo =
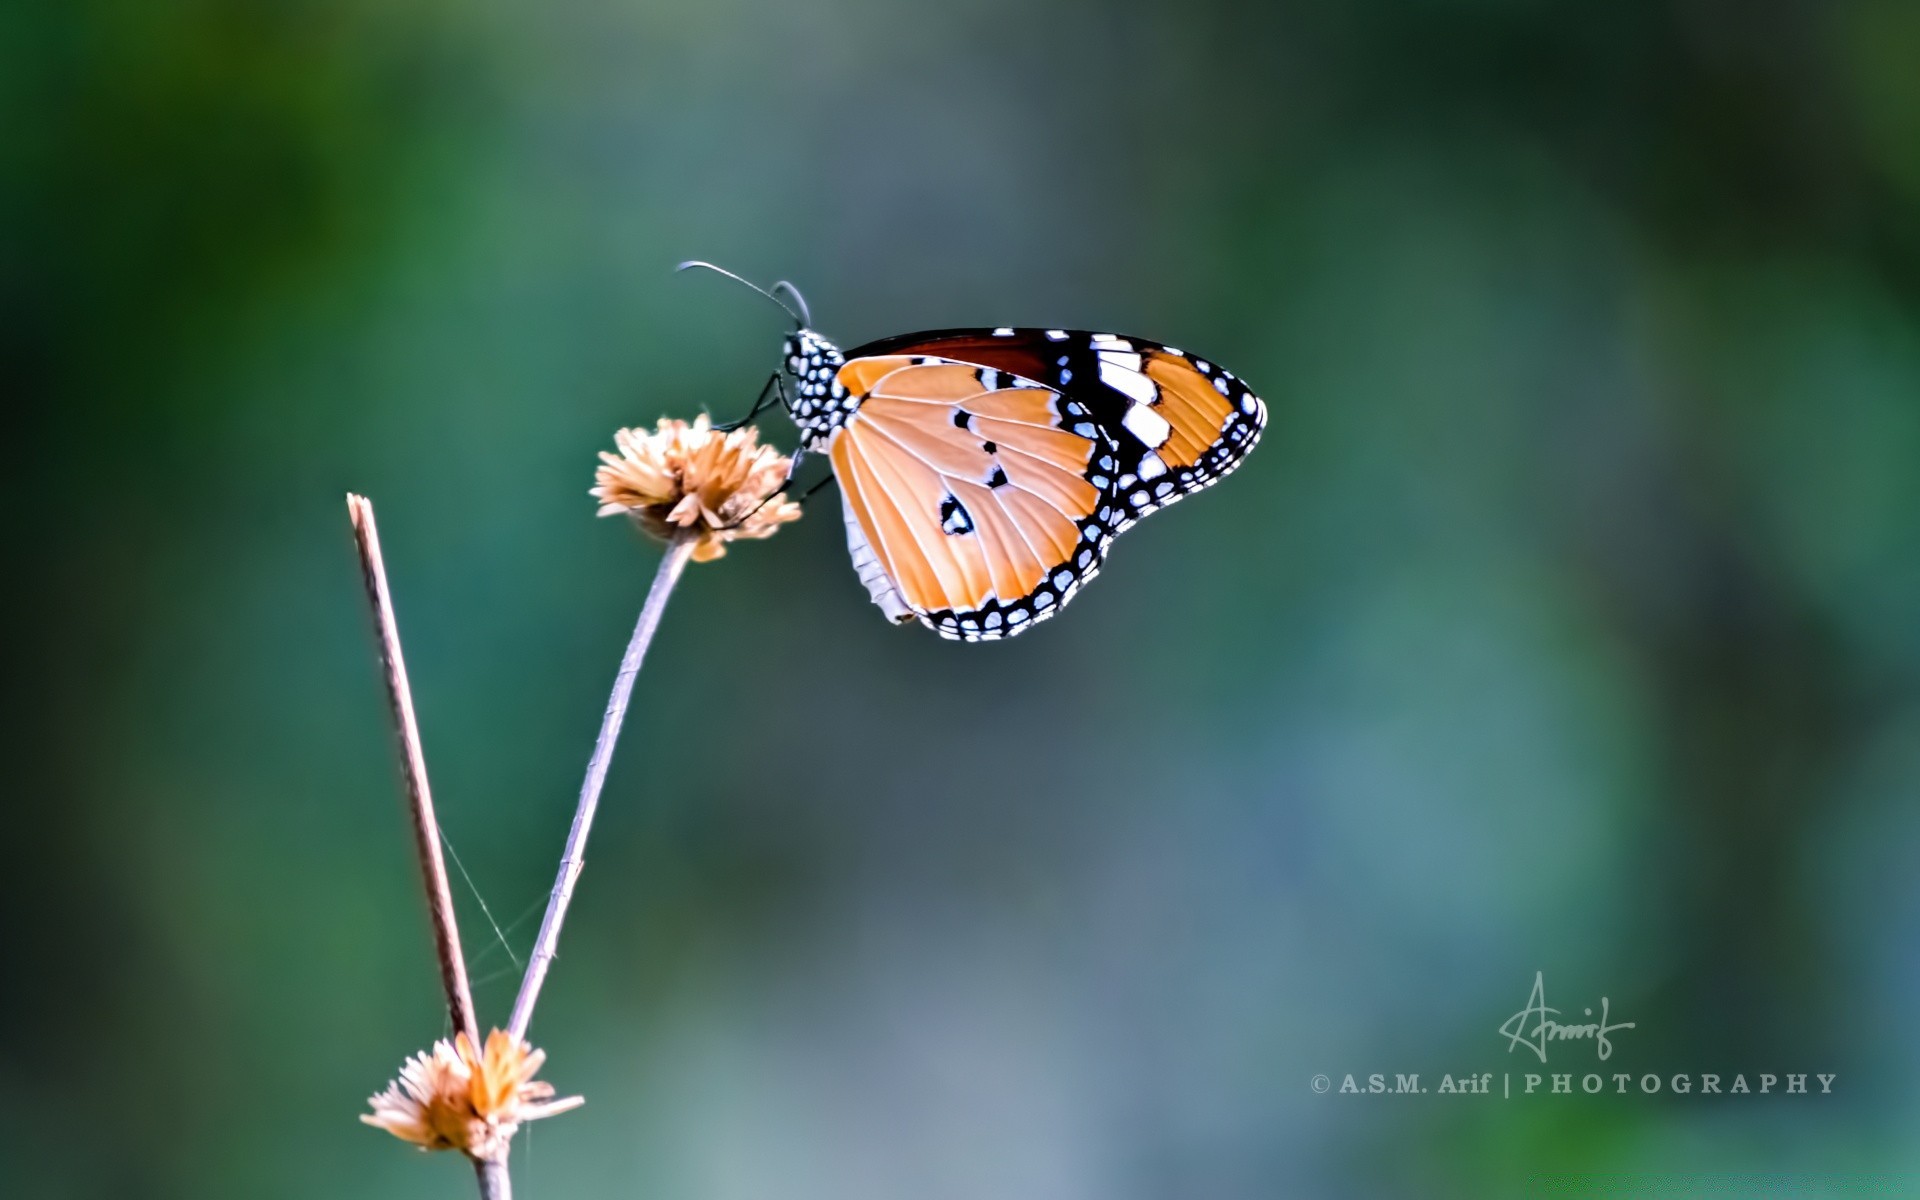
x=454 y=1099
x=684 y=477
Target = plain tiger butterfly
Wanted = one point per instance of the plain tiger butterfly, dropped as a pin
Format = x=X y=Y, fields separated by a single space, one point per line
x=984 y=472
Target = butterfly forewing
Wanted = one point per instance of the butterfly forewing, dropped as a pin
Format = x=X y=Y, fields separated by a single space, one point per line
x=1177 y=422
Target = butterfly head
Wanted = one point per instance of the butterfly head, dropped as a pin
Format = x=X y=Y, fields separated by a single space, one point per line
x=819 y=403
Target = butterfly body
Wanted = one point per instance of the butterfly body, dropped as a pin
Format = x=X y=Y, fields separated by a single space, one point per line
x=820 y=403
x=984 y=472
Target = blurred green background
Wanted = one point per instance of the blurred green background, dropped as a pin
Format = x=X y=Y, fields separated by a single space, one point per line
x=1568 y=619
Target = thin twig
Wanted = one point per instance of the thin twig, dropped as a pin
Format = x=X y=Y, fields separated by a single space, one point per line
x=413 y=769
x=493 y=1180
x=572 y=859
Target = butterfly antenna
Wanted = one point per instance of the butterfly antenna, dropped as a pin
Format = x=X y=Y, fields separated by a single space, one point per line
x=805 y=312
x=802 y=322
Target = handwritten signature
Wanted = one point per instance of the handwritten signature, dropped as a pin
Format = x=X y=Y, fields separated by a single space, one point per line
x=1545 y=1030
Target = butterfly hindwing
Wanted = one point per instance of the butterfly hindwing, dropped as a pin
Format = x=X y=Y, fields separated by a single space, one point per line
x=968 y=492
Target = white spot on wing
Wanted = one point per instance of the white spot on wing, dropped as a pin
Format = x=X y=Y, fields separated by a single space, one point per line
x=1128 y=380
x=1151 y=466
x=1147 y=425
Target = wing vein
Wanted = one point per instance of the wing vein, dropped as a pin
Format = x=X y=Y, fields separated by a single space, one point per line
x=879 y=430
x=1043 y=464
x=936 y=555
x=1020 y=532
x=883 y=492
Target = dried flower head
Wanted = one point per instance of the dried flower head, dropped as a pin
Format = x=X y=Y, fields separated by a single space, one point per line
x=451 y=1098
x=693 y=478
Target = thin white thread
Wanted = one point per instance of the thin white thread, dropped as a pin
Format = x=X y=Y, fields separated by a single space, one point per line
x=512 y=925
x=490 y=976
x=487 y=912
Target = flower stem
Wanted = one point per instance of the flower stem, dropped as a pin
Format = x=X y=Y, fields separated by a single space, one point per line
x=572 y=859
x=495 y=1184
x=413 y=768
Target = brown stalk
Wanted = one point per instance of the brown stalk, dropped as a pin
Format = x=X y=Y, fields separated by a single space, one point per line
x=493 y=1181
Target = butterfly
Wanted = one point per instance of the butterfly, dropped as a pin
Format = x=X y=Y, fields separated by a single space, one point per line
x=985 y=472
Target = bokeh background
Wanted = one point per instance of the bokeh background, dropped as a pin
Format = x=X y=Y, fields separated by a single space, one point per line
x=1568 y=619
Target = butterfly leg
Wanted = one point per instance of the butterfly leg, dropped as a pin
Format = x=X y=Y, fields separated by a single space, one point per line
x=774 y=386
x=793 y=468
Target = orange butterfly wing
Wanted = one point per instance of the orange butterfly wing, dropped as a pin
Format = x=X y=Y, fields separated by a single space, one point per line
x=969 y=497
x=985 y=471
